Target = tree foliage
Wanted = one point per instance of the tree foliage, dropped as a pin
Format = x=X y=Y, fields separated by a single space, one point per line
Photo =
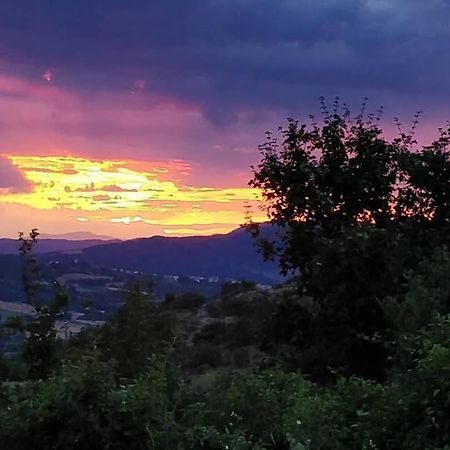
x=355 y=214
x=41 y=345
x=136 y=333
x=327 y=179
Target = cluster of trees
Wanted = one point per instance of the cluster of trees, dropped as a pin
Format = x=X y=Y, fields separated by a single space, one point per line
x=354 y=353
x=361 y=219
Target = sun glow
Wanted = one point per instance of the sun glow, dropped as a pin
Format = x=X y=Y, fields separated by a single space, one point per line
x=129 y=192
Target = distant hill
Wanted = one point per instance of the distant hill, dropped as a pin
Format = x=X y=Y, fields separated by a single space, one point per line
x=11 y=246
x=79 y=236
x=231 y=255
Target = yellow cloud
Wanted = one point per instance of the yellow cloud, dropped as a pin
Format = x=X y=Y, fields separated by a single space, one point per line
x=197 y=231
x=127 y=192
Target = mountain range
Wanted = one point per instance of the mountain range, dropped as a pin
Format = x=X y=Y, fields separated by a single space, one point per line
x=231 y=255
x=79 y=236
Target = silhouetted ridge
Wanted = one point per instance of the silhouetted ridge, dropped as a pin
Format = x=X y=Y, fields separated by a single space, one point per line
x=232 y=255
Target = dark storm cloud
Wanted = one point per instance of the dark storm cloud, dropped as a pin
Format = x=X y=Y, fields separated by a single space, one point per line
x=232 y=55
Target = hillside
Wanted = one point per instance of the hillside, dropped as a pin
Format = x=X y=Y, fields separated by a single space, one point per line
x=231 y=255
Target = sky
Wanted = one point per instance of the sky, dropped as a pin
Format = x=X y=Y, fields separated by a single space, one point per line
x=141 y=117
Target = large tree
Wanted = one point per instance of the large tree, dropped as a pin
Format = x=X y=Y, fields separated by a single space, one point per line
x=355 y=211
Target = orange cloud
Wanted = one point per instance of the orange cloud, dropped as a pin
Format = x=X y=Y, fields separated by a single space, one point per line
x=118 y=192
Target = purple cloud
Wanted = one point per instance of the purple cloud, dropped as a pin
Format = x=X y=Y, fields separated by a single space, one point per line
x=230 y=56
x=11 y=179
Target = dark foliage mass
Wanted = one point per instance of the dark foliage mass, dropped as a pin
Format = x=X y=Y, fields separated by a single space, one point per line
x=357 y=214
x=352 y=353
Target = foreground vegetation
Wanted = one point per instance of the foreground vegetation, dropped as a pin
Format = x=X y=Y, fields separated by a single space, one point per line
x=353 y=353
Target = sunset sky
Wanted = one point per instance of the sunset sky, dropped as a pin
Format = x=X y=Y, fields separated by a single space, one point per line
x=140 y=117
